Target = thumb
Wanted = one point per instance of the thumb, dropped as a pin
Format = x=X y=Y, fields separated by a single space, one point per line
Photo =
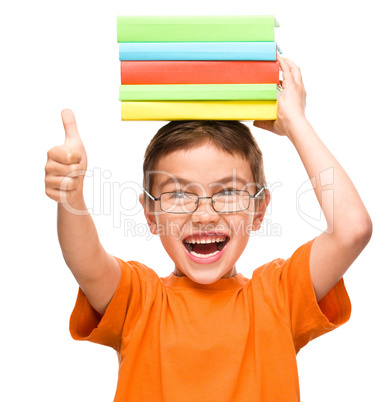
x=264 y=124
x=70 y=127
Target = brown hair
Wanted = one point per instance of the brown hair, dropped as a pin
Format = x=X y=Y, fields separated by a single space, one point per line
x=229 y=136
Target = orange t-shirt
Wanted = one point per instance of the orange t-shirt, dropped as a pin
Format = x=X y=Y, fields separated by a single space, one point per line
x=233 y=340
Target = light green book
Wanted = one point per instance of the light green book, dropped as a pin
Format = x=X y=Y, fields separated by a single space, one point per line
x=198 y=92
x=225 y=28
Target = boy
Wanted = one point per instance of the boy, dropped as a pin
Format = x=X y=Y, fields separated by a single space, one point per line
x=206 y=333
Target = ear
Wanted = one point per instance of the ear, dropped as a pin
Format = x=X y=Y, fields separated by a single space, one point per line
x=150 y=216
x=259 y=214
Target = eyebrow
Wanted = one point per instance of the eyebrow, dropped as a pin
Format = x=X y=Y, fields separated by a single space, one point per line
x=183 y=181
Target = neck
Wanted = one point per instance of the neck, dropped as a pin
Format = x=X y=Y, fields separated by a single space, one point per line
x=232 y=272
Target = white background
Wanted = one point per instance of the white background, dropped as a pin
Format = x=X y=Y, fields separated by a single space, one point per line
x=64 y=54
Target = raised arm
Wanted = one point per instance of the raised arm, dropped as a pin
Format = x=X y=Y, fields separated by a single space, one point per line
x=349 y=226
x=96 y=271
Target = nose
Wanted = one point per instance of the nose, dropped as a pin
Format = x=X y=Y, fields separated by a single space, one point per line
x=205 y=213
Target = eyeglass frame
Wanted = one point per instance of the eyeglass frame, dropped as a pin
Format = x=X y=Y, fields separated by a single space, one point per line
x=254 y=196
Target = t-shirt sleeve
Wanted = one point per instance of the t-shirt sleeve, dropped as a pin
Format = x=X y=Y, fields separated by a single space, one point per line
x=289 y=288
x=132 y=298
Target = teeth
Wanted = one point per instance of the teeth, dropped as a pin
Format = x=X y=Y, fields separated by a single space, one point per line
x=204 y=255
x=204 y=241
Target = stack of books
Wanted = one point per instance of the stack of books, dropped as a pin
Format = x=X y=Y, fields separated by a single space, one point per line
x=198 y=67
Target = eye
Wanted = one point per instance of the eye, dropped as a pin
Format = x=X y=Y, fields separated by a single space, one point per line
x=227 y=192
x=178 y=194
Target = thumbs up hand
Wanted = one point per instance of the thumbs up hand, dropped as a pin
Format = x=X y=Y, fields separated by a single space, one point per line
x=66 y=165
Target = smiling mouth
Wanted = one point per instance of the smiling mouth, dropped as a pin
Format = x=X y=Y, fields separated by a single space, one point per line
x=205 y=246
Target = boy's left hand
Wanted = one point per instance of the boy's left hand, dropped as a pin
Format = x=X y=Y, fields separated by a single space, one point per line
x=349 y=227
x=292 y=100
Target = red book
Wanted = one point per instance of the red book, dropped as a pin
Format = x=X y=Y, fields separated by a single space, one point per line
x=199 y=72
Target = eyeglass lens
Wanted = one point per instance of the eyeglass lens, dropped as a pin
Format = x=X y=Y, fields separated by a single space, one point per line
x=181 y=202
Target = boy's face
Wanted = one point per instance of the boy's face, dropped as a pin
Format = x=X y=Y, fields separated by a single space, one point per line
x=205 y=244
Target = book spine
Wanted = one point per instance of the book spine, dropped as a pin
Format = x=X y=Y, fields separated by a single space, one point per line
x=196 y=28
x=198 y=51
x=199 y=110
x=198 y=92
x=199 y=72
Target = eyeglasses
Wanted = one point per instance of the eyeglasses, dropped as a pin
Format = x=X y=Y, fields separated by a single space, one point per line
x=227 y=201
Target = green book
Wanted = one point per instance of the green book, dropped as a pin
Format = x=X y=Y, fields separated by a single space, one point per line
x=198 y=92
x=238 y=28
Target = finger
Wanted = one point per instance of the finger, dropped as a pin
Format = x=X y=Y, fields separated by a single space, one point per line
x=70 y=127
x=64 y=155
x=286 y=72
x=295 y=70
x=60 y=169
x=57 y=195
x=62 y=183
x=279 y=58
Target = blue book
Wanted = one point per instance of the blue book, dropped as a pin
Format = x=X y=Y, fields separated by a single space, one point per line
x=198 y=51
